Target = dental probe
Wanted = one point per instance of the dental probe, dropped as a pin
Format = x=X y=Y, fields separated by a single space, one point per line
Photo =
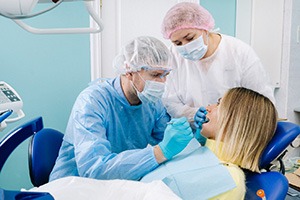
x=191 y=120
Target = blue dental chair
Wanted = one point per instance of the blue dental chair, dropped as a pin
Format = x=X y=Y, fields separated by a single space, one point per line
x=43 y=150
x=272 y=185
x=45 y=144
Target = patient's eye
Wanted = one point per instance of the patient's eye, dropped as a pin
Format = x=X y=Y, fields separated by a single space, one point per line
x=219 y=101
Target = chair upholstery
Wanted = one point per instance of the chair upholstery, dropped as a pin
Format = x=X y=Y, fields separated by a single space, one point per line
x=273 y=183
x=43 y=151
x=285 y=134
x=24 y=195
x=43 y=148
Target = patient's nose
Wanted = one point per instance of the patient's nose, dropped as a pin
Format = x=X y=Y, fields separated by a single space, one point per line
x=210 y=107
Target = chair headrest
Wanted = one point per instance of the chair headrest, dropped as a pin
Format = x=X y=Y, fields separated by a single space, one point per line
x=285 y=133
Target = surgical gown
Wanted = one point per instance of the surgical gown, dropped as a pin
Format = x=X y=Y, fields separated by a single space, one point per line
x=192 y=84
x=107 y=138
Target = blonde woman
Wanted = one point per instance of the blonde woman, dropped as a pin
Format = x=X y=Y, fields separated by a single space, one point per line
x=240 y=126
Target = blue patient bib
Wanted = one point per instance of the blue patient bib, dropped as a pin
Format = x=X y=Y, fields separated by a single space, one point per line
x=195 y=173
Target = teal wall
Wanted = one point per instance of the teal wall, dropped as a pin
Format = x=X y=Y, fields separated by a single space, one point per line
x=48 y=71
x=224 y=13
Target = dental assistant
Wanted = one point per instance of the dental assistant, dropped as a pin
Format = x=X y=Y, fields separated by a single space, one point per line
x=206 y=64
x=112 y=122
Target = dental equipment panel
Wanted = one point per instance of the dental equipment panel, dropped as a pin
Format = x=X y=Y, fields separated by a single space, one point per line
x=10 y=102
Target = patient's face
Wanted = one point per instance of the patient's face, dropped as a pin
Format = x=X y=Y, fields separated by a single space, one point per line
x=209 y=129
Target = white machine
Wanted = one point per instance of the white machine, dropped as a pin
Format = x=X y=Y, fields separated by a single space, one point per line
x=10 y=102
x=17 y=7
x=21 y=9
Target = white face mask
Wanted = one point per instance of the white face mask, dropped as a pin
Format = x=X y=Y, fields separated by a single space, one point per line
x=194 y=50
x=152 y=91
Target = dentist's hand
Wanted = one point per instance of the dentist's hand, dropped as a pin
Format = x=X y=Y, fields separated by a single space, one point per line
x=177 y=135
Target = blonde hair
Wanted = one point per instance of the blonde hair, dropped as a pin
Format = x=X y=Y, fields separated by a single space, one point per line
x=247 y=121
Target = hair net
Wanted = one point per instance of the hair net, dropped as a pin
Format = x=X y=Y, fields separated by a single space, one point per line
x=186 y=15
x=143 y=52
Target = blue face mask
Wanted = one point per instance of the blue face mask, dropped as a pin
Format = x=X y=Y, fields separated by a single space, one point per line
x=152 y=91
x=194 y=50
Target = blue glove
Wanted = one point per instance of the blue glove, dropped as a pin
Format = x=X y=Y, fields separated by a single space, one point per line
x=200 y=118
x=199 y=137
x=177 y=135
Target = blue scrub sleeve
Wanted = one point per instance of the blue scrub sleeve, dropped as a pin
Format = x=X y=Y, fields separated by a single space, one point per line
x=93 y=154
x=160 y=126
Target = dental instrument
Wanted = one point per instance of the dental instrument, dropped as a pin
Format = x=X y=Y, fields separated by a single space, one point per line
x=197 y=134
x=191 y=120
x=5 y=114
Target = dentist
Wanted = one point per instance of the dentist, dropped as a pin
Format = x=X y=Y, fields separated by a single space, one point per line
x=112 y=122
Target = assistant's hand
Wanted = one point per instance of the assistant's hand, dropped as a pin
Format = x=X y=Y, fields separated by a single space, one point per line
x=200 y=118
x=177 y=135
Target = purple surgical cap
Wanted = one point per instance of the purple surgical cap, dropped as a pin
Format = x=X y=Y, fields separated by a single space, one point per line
x=186 y=15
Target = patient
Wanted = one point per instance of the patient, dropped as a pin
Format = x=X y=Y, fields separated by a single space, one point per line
x=240 y=126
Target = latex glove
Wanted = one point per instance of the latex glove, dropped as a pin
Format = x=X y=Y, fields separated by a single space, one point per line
x=177 y=135
x=199 y=137
x=200 y=118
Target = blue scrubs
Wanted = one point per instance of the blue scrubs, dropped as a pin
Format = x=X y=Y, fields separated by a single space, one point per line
x=107 y=138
